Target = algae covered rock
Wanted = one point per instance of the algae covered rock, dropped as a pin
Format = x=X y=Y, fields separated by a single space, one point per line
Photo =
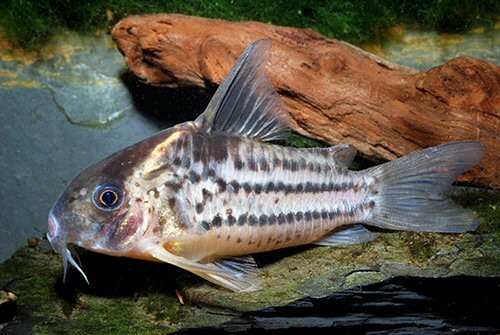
x=128 y=296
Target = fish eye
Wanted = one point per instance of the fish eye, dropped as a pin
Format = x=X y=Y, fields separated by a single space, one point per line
x=108 y=197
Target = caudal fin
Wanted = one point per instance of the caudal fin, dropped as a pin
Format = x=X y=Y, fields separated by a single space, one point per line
x=412 y=189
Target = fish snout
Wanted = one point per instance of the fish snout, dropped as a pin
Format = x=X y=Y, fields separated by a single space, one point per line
x=54 y=234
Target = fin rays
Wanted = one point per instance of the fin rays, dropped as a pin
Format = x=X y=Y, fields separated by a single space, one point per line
x=239 y=274
x=246 y=104
x=412 y=189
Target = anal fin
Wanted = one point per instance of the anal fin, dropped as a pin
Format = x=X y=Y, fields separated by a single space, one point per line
x=352 y=235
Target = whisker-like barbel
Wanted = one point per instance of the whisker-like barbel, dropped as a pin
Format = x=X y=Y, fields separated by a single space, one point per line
x=68 y=257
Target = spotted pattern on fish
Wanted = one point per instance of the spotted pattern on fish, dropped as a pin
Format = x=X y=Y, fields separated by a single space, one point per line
x=240 y=189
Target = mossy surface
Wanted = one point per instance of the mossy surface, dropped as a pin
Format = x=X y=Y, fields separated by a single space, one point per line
x=486 y=205
x=300 y=141
x=31 y=22
x=128 y=296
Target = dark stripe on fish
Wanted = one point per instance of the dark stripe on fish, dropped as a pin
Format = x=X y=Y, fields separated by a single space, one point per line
x=217 y=221
x=252 y=164
x=269 y=187
x=211 y=172
x=286 y=165
x=219 y=148
x=177 y=161
x=198 y=146
x=235 y=185
x=186 y=153
x=263 y=219
x=222 y=185
x=247 y=187
x=281 y=218
x=199 y=207
x=194 y=177
x=264 y=165
x=205 y=225
x=272 y=187
x=285 y=218
x=252 y=220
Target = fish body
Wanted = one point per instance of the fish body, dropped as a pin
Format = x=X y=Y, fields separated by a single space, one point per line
x=206 y=194
x=233 y=196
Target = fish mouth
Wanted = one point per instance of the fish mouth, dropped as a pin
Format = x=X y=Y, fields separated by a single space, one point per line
x=59 y=244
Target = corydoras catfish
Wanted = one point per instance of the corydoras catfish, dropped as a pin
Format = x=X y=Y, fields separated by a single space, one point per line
x=205 y=195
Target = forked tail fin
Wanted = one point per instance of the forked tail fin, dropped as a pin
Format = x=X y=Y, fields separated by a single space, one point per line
x=412 y=189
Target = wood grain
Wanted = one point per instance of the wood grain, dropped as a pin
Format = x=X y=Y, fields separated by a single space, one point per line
x=334 y=91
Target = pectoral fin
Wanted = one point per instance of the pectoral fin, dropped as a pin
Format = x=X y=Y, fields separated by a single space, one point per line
x=236 y=274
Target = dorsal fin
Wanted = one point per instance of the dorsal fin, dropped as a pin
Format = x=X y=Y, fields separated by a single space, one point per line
x=246 y=104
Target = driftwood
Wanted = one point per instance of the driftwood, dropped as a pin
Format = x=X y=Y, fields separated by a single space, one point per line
x=335 y=92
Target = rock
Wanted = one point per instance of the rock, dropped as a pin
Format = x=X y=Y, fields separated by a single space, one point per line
x=63 y=108
x=82 y=74
x=432 y=48
x=334 y=91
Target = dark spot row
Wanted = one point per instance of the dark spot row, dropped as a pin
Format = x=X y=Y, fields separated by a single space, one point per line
x=261 y=164
x=308 y=187
x=277 y=187
x=218 y=147
x=199 y=148
x=284 y=218
x=207 y=196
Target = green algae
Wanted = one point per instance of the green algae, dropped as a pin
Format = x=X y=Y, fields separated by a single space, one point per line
x=299 y=141
x=97 y=315
x=356 y=21
x=486 y=205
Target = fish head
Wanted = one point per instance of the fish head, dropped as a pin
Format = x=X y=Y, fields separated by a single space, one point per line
x=106 y=208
